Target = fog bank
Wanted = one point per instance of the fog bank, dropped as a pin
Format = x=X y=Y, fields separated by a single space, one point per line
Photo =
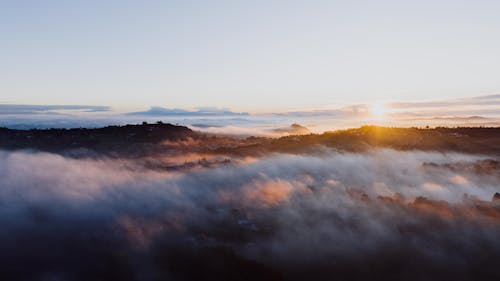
x=326 y=215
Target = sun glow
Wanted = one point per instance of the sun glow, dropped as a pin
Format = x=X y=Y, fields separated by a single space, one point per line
x=379 y=110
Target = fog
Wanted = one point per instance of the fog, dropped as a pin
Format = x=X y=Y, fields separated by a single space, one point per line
x=326 y=215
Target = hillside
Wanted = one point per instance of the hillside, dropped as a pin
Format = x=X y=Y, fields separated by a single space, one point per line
x=147 y=139
x=111 y=139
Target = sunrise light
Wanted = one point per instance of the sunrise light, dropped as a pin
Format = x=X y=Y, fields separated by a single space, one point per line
x=379 y=111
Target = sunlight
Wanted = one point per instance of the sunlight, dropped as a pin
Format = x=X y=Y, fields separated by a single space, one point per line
x=379 y=110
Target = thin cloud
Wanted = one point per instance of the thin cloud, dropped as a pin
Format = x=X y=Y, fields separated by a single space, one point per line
x=352 y=111
x=205 y=111
x=14 y=109
x=478 y=100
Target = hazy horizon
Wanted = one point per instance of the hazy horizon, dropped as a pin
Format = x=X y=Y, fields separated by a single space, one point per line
x=471 y=111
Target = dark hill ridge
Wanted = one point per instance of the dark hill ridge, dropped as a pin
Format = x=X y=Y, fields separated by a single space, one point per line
x=465 y=140
x=151 y=139
x=111 y=138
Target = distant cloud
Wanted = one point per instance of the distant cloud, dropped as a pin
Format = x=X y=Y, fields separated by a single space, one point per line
x=352 y=111
x=478 y=100
x=488 y=97
x=12 y=109
x=472 y=109
x=204 y=111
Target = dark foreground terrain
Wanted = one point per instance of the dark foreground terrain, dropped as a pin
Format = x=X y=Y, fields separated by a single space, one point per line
x=162 y=202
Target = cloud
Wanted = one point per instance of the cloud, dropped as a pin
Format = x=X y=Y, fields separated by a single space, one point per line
x=204 y=111
x=394 y=215
x=352 y=111
x=14 y=109
x=477 y=100
x=464 y=106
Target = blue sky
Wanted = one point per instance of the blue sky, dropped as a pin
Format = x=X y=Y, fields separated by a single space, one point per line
x=254 y=56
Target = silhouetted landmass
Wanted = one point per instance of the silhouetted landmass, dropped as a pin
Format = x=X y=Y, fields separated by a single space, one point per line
x=118 y=139
x=294 y=129
x=466 y=140
x=142 y=140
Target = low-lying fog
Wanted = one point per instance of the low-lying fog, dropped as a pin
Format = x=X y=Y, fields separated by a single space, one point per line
x=327 y=215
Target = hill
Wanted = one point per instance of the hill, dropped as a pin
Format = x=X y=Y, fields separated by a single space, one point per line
x=111 y=139
x=147 y=139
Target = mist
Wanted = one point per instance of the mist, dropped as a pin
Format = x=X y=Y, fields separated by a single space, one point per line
x=323 y=215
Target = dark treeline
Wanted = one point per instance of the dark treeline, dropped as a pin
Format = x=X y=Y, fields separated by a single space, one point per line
x=111 y=138
x=144 y=139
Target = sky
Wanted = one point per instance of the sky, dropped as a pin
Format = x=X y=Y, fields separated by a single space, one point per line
x=252 y=56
